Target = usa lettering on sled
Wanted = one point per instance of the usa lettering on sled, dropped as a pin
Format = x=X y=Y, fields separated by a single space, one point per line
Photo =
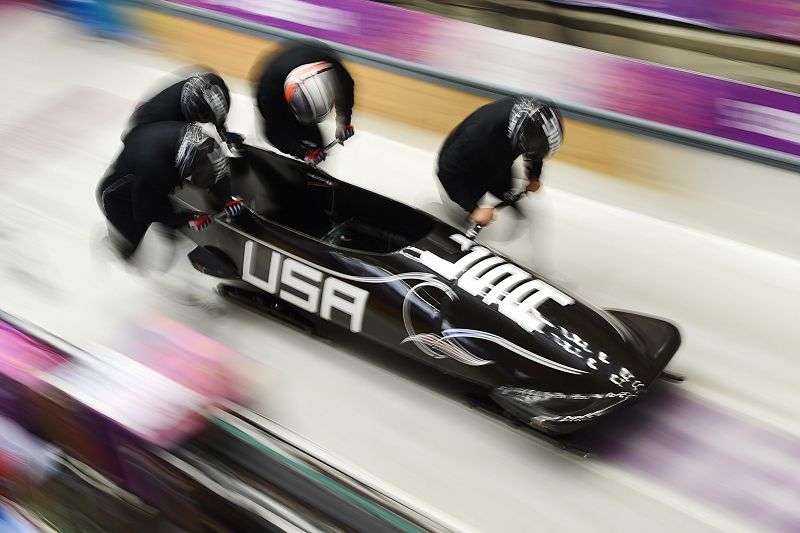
x=302 y=285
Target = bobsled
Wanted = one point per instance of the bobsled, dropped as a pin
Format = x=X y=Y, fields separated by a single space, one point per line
x=313 y=248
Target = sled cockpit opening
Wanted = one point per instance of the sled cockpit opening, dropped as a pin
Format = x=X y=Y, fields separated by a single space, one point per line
x=309 y=201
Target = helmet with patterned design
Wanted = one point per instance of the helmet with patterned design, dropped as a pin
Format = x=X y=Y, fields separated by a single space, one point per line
x=535 y=128
x=206 y=98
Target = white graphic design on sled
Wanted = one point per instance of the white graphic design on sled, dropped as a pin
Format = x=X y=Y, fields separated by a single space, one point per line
x=302 y=285
x=480 y=272
x=440 y=346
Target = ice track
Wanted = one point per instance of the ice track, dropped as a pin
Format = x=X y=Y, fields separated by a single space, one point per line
x=719 y=452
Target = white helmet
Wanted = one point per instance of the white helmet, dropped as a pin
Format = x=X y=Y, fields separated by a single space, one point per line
x=310 y=91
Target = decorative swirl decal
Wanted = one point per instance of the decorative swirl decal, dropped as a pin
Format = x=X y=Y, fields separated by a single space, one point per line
x=433 y=344
x=510 y=346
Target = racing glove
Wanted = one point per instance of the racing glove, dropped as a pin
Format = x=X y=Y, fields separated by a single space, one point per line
x=314 y=157
x=200 y=222
x=235 y=143
x=234 y=206
x=233 y=138
x=344 y=132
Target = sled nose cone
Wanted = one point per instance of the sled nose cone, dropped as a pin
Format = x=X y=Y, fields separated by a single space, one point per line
x=659 y=339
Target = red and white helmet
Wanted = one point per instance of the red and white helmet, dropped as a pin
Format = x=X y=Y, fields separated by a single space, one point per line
x=310 y=91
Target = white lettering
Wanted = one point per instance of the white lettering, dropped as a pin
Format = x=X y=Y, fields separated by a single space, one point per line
x=475 y=255
x=524 y=311
x=515 y=276
x=465 y=242
x=441 y=266
x=452 y=270
x=305 y=283
x=473 y=279
x=310 y=299
x=269 y=285
x=332 y=293
x=481 y=272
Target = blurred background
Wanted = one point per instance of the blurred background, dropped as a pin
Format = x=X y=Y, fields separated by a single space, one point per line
x=675 y=195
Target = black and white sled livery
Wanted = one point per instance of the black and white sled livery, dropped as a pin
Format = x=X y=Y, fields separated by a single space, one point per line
x=315 y=248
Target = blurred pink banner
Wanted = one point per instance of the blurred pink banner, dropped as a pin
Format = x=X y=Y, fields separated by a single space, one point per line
x=778 y=18
x=22 y=357
x=157 y=382
x=23 y=360
x=516 y=63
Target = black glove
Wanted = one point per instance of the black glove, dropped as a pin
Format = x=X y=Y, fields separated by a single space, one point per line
x=233 y=138
x=511 y=199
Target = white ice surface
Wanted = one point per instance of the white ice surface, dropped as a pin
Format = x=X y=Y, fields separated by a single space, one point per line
x=66 y=100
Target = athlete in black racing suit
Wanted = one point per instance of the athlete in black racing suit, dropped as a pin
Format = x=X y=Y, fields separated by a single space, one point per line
x=155 y=160
x=297 y=87
x=475 y=161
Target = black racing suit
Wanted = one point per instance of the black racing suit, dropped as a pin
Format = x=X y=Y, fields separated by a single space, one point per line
x=135 y=192
x=281 y=127
x=476 y=157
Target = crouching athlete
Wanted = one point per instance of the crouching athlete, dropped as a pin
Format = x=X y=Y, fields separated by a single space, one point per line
x=157 y=159
x=297 y=88
x=475 y=162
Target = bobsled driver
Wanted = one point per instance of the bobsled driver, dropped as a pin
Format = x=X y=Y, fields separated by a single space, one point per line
x=202 y=97
x=298 y=87
x=475 y=161
x=156 y=159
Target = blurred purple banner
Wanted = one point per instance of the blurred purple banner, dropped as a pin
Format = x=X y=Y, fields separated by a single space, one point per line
x=776 y=18
x=511 y=62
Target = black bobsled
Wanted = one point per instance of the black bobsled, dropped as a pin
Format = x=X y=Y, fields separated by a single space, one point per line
x=316 y=248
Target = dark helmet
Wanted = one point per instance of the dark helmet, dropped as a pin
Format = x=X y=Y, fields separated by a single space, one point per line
x=205 y=98
x=535 y=128
x=200 y=159
x=310 y=91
